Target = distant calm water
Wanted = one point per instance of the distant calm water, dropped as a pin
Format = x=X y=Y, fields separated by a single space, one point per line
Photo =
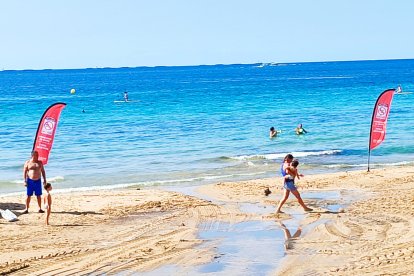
x=203 y=123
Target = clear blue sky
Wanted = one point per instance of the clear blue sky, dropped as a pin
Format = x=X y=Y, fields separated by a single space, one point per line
x=101 y=33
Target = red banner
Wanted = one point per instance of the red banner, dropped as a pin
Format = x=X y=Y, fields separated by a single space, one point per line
x=46 y=131
x=380 y=117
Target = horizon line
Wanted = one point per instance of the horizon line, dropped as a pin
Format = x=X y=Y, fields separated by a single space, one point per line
x=199 y=65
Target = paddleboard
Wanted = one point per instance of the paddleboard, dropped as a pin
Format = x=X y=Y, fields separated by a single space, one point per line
x=125 y=101
x=8 y=215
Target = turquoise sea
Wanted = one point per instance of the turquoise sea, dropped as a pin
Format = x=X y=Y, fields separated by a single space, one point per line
x=202 y=124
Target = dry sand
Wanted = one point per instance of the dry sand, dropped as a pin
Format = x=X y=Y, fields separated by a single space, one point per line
x=130 y=231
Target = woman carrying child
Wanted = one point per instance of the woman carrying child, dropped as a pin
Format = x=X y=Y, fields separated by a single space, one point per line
x=290 y=174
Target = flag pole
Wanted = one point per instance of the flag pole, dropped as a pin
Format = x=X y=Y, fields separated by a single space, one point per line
x=369 y=157
x=370 y=130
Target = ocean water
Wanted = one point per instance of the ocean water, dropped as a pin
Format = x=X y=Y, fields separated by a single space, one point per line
x=202 y=124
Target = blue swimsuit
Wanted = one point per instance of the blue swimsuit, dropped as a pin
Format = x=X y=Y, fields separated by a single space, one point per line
x=34 y=186
x=288 y=184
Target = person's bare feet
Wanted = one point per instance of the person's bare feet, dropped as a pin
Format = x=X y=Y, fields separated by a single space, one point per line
x=307 y=209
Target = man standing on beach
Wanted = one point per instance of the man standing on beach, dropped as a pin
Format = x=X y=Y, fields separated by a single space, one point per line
x=33 y=171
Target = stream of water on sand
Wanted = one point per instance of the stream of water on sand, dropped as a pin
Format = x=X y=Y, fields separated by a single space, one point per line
x=255 y=247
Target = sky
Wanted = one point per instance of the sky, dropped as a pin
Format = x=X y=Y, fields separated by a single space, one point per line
x=128 y=33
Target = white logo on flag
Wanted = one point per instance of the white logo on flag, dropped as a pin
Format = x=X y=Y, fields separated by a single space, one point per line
x=382 y=111
x=48 y=126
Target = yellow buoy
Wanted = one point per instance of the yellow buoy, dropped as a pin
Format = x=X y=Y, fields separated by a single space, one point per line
x=72 y=91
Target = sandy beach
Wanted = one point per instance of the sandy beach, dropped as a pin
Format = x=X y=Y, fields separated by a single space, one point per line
x=362 y=223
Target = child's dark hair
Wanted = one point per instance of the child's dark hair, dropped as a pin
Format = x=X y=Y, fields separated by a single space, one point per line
x=47 y=186
x=272 y=128
x=295 y=163
x=288 y=156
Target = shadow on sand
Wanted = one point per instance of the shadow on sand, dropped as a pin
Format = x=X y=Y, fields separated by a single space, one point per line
x=12 y=206
x=71 y=225
x=77 y=213
x=325 y=212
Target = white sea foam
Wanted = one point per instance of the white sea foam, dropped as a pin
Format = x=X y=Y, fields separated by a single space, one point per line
x=56 y=178
x=371 y=165
x=274 y=156
x=321 y=78
x=143 y=183
x=49 y=179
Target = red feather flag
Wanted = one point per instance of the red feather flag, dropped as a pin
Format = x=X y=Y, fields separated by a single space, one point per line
x=46 y=131
x=379 y=120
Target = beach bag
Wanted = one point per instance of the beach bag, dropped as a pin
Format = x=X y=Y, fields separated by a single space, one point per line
x=8 y=215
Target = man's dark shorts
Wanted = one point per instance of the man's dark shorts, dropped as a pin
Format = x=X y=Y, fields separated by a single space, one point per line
x=34 y=186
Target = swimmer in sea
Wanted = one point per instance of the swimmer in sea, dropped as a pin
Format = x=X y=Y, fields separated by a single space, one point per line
x=300 y=130
x=273 y=132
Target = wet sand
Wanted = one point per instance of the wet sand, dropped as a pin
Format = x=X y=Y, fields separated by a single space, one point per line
x=361 y=223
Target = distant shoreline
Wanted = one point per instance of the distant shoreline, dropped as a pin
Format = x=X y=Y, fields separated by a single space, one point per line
x=200 y=65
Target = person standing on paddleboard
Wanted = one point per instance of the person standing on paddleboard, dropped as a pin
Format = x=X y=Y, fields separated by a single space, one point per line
x=126 y=96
